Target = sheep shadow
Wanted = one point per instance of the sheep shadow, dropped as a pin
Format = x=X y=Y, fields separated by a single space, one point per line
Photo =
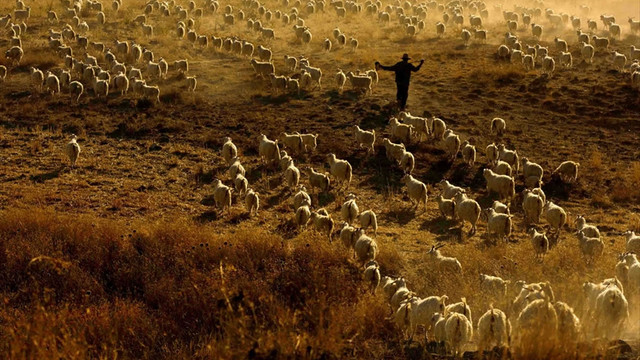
x=207 y=216
x=238 y=218
x=208 y=201
x=271 y=99
x=402 y=216
x=277 y=198
x=40 y=178
x=444 y=229
x=324 y=199
x=287 y=229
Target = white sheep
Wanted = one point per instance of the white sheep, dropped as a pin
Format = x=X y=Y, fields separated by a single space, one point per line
x=229 y=150
x=341 y=79
x=76 y=89
x=539 y=242
x=440 y=29
x=322 y=223
x=318 y=180
x=567 y=171
x=420 y=124
x=494 y=286
x=368 y=219
x=301 y=198
x=465 y=35
x=467 y=210
x=498 y=225
x=151 y=92
x=494 y=329
x=588 y=230
x=532 y=205
x=360 y=82
x=302 y=216
x=14 y=54
x=268 y=149
x=530 y=168
x=632 y=242
x=538 y=320
x=121 y=83
x=451 y=144
x=568 y=324
x=372 y=275
x=222 y=195
x=498 y=126
x=586 y=52
x=500 y=208
x=349 y=210
x=407 y=162
x=252 y=202
x=459 y=331
x=292 y=176
x=310 y=141
x=72 y=150
x=619 y=60
x=611 y=311
x=262 y=69
x=365 y=139
x=393 y=151
x=293 y=142
x=52 y=83
x=600 y=42
x=240 y=184
x=468 y=153
x=491 y=152
x=422 y=310
x=438 y=128
x=536 y=30
x=340 y=169
x=416 y=190
x=37 y=78
x=503 y=185
x=316 y=73
x=555 y=216
x=566 y=59
x=347 y=235
x=446 y=265
x=591 y=247
x=366 y=249
x=449 y=190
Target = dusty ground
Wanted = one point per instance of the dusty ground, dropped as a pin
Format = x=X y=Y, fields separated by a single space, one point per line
x=157 y=162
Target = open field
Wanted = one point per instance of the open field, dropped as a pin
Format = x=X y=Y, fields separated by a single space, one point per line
x=138 y=263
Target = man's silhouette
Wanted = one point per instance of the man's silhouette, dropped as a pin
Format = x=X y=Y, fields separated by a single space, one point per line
x=403 y=71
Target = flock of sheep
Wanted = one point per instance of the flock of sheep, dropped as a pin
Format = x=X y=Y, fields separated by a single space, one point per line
x=534 y=311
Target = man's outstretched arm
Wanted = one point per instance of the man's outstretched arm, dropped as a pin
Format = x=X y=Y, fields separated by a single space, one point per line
x=416 y=68
x=388 y=68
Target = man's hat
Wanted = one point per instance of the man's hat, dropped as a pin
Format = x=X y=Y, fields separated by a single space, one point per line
x=405 y=57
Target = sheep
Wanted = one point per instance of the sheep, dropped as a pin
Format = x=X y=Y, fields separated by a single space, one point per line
x=634 y=25
x=480 y=35
x=293 y=85
x=366 y=249
x=461 y=308
x=416 y=190
x=360 y=82
x=452 y=144
x=341 y=79
x=491 y=152
x=567 y=171
x=502 y=168
x=262 y=69
x=372 y=275
x=293 y=142
x=586 y=52
x=500 y=208
x=509 y=156
x=447 y=265
x=121 y=83
x=52 y=83
x=37 y=78
x=600 y=42
x=611 y=311
x=72 y=150
x=590 y=246
x=632 y=242
x=420 y=124
x=501 y=184
x=340 y=169
x=422 y=310
x=468 y=153
x=566 y=59
x=310 y=141
x=76 y=89
x=278 y=83
x=498 y=126
x=349 y=210
x=459 y=332
x=393 y=151
x=495 y=286
x=619 y=60
x=181 y=65
x=531 y=169
x=555 y=215
x=548 y=65
x=151 y=92
x=467 y=210
x=533 y=205
x=539 y=242
x=229 y=150
x=347 y=235
x=538 y=191
x=401 y=317
x=517 y=57
x=634 y=53
x=407 y=162
x=240 y=184
x=503 y=52
x=538 y=320
x=252 y=202
x=316 y=74
x=494 y=329
x=465 y=35
x=614 y=30
x=536 y=30
x=302 y=216
x=588 y=230
x=222 y=196
x=306 y=37
x=22 y=14
x=526 y=294
x=440 y=29
x=326 y=45
x=236 y=168
x=365 y=139
x=322 y=223
x=268 y=149
x=438 y=128
x=368 y=219
x=561 y=45
x=498 y=225
x=3 y=73
x=568 y=324
x=318 y=180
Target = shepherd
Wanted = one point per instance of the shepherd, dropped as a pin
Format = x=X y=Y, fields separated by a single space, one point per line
x=403 y=71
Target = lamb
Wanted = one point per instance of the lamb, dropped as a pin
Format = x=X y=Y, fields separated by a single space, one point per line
x=151 y=92
x=491 y=152
x=222 y=195
x=393 y=151
x=121 y=83
x=508 y=156
x=236 y=168
x=447 y=265
x=614 y=30
x=561 y=45
x=498 y=225
x=459 y=332
x=495 y=286
x=632 y=242
x=302 y=215
x=391 y=286
x=517 y=57
x=310 y=141
x=498 y=126
x=588 y=230
x=531 y=169
x=322 y=223
x=268 y=149
x=292 y=175
x=566 y=59
x=420 y=124
x=192 y=82
x=37 y=78
x=539 y=242
x=548 y=65
x=366 y=249
x=22 y=14
x=533 y=205
x=349 y=210
x=634 y=25
x=347 y=236
x=365 y=139
x=494 y=329
x=600 y=42
x=267 y=33
x=536 y=31
x=555 y=216
x=340 y=169
x=587 y=51
x=360 y=82
x=240 y=184
x=368 y=219
x=181 y=65
x=467 y=210
x=468 y=153
x=501 y=184
x=293 y=142
x=318 y=180
x=503 y=52
x=316 y=74
x=423 y=310
x=52 y=83
x=567 y=171
x=407 y=162
x=72 y=150
x=590 y=246
x=252 y=202
x=341 y=79
x=229 y=150
x=461 y=308
x=372 y=275
x=466 y=36
x=402 y=295
x=500 y=208
x=416 y=190
x=611 y=311
x=76 y=89
x=440 y=29
x=401 y=317
x=100 y=87
x=306 y=37
x=262 y=69
x=451 y=143
x=619 y=60
x=634 y=54
x=439 y=128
